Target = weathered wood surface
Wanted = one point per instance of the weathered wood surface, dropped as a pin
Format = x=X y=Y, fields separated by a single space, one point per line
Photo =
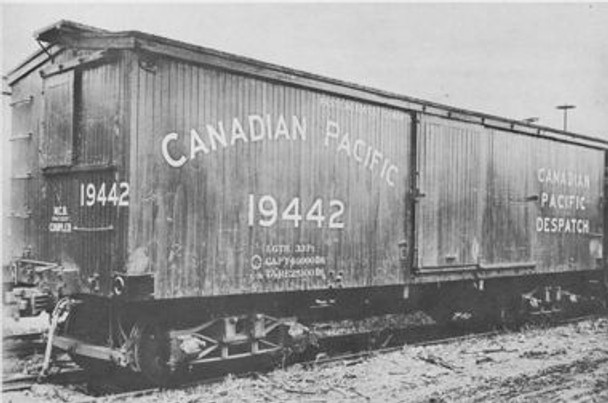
x=238 y=140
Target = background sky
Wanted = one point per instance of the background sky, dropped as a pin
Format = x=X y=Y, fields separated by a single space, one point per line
x=513 y=60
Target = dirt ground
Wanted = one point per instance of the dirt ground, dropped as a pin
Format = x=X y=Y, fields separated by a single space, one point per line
x=568 y=363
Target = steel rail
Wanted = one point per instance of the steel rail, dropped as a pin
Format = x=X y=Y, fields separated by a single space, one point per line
x=330 y=360
x=23 y=336
x=25 y=382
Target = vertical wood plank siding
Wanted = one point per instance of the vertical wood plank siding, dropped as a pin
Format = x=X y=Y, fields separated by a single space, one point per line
x=451 y=158
x=487 y=199
x=95 y=241
x=485 y=196
x=98 y=120
x=190 y=224
x=94 y=229
x=57 y=149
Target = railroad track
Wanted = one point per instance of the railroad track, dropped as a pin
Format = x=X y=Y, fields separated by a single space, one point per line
x=31 y=336
x=73 y=375
x=22 y=345
x=443 y=340
x=23 y=382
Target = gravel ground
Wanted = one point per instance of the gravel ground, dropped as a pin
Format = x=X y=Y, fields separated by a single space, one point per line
x=10 y=363
x=568 y=363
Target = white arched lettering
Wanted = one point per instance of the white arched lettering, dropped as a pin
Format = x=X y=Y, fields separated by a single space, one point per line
x=541 y=175
x=392 y=169
x=358 y=144
x=165 y=150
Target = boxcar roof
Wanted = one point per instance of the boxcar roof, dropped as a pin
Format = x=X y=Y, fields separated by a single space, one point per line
x=68 y=34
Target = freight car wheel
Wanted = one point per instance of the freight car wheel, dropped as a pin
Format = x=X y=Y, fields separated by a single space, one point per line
x=93 y=366
x=152 y=352
x=86 y=322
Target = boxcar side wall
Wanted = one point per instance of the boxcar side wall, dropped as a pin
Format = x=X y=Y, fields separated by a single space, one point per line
x=242 y=185
x=220 y=183
x=495 y=198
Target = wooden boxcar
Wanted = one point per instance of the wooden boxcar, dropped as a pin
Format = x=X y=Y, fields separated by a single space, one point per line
x=150 y=175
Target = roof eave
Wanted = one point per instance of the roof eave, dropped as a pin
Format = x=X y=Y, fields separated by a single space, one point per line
x=34 y=61
x=50 y=33
x=66 y=34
